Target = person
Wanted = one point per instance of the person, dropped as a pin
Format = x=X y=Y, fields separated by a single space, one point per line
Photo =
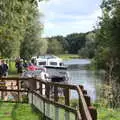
x=25 y=64
x=0 y=69
x=4 y=68
x=32 y=67
x=19 y=66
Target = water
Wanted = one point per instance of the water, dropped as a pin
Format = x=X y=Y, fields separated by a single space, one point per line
x=79 y=75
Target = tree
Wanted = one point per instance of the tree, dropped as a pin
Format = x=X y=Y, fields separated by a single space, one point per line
x=19 y=25
x=75 y=42
x=89 y=50
x=32 y=41
x=54 y=46
x=108 y=47
x=63 y=42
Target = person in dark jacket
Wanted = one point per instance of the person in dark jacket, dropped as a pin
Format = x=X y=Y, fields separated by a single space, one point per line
x=0 y=69
x=4 y=68
x=19 y=66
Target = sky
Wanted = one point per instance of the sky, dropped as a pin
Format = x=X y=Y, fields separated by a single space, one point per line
x=62 y=17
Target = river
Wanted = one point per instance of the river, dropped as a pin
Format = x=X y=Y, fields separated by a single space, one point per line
x=79 y=74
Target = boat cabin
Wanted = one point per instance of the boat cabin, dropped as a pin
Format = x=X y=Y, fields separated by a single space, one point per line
x=49 y=61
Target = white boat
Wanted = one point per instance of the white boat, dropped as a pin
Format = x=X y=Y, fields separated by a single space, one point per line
x=54 y=67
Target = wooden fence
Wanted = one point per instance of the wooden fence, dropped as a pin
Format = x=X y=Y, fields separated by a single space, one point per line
x=52 y=99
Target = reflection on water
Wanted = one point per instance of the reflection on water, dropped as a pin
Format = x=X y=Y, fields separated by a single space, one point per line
x=89 y=79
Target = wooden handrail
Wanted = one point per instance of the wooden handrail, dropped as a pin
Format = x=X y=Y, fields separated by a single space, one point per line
x=85 y=111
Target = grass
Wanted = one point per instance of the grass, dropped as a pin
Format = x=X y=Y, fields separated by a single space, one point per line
x=18 y=111
x=104 y=113
x=68 y=56
x=108 y=114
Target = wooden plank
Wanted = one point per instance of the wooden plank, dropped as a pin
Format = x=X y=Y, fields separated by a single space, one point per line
x=83 y=106
x=55 y=94
x=40 y=87
x=87 y=99
x=67 y=96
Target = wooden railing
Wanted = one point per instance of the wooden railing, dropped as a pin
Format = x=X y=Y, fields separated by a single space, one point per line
x=52 y=99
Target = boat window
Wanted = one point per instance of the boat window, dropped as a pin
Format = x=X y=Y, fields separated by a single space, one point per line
x=53 y=63
x=42 y=63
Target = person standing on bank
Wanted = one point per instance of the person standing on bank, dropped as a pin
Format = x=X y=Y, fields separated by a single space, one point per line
x=0 y=69
x=19 y=66
x=4 y=68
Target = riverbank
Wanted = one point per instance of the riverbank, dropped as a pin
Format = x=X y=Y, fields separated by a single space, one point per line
x=103 y=112
x=69 y=56
x=106 y=113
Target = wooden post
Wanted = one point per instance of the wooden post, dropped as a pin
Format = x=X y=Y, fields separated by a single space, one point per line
x=93 y=112
x=67 y=102
x=40 y=87
x=81 y=87
x=87 y=99
x=47 y=91
x=18 y=86
x=55 y=94
x=84 y=92
x=67 y=96
x=56 y=100
x=2 y=85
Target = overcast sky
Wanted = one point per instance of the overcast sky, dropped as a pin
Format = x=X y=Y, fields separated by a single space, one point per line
x=62 y=17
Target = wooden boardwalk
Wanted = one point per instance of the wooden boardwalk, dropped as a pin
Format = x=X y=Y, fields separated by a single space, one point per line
x=52 y=99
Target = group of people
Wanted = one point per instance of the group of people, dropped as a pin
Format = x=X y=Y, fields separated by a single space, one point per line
x=3 y=68
x=22 y=65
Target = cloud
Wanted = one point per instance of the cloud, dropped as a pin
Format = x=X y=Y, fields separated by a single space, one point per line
x=68 y=16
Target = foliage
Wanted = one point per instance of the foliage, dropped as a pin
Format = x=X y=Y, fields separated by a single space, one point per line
x=76 y=42
x=107 y=34
x=88 y=51
x=54 y=46
x=62 y=41
x=106 y=113
x=69 y=44
x=20 y=28
x=108 y=46
x=110 y=95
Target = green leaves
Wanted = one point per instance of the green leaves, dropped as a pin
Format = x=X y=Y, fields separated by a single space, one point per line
x=19 y=23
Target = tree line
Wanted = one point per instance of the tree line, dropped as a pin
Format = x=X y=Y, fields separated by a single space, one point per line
x=75 y=43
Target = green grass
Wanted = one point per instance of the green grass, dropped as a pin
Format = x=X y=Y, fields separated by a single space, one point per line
x=68 y=56
x=18 y=111
x=12 y=68
x=108 y=114
x=104 y=113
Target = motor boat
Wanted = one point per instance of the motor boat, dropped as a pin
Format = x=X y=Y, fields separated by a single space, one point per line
x=53 y=66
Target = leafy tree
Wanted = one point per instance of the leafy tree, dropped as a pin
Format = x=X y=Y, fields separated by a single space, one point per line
x=89 y=50
x=54 y=47
x=19 y=25
x=63 y=42
x=108 y=47
x=75 y=42
x=32 y=42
